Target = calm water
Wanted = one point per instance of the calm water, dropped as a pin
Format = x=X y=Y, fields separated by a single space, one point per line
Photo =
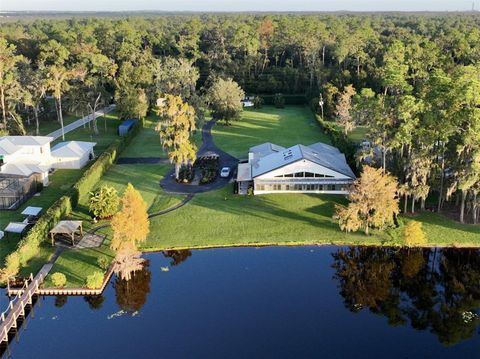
x=272 y=303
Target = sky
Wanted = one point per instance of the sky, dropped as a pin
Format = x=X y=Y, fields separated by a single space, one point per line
x=238 y=5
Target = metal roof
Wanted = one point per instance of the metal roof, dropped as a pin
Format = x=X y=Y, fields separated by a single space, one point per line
x=11 y=144
x=320 y=153
x=72 y=149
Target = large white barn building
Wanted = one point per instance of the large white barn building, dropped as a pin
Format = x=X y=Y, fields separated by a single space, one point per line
x=318 y=168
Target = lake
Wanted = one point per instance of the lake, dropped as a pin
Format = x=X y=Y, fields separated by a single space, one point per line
x=275 y=302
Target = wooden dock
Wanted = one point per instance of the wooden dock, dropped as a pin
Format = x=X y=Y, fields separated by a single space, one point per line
x=9 y=319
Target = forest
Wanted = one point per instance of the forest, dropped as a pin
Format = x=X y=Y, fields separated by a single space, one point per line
x=413 y=81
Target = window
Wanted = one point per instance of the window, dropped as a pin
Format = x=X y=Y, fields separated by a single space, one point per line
x=299 y=174
x=289 y=175
x=260 y=187
x=309 y=174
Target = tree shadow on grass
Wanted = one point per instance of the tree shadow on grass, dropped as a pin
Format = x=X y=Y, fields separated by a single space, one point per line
x=435 y=219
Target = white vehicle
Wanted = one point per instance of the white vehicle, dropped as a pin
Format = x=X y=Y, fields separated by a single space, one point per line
x=225 y=172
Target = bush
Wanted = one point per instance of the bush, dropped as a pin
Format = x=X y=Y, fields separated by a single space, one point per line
x=94 y=280
x=59 y=280
x=279 y=100
x=414 y=234
x=258 y=102
x=12 y=266
x=104 y=202
x=103 y=262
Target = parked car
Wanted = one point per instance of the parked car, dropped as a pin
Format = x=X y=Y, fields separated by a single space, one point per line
x=225 y=172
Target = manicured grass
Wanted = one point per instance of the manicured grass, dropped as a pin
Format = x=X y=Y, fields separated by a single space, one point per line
x=221 y=218
x=107 y=133
x=285 y=127
x=147 y=142
x=442 y=231
x=49 y=126
x=78 y=264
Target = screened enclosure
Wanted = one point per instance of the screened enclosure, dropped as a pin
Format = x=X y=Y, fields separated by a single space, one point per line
x=16 y=190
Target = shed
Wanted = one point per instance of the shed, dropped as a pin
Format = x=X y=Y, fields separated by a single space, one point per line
x=72 y=154
x=67 y=228
x=126 y=126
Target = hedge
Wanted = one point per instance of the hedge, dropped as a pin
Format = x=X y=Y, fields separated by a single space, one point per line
x=90 y=178
x=289 y=99
x=29 y=246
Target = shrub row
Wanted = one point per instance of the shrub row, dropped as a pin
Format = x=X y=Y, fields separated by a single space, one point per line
x=29 y=246
x=289 y=99
x=90 y=178
x=339 y=140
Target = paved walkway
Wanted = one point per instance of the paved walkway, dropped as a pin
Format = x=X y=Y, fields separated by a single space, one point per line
x=170 y=185
x=80 y=122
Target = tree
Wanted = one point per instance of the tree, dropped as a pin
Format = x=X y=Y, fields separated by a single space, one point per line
x=131 y=224
x=104 y=202
x=176 y=124
x=53 y=57
x=344 y=108
x=35 y=88
x=99 y=70
x=10 y=91
x=414 y=234
x=373 y=202
x=131 y=102
x=394 y=70
x=225 y=98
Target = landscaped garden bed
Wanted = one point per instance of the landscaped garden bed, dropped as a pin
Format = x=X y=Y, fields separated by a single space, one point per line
x=208 y=167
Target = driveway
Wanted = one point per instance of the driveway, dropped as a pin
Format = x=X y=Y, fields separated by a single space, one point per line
x=170 y=185
x=80 y=122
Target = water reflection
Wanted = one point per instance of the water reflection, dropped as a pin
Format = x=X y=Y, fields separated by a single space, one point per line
x=428 y=289
x=95 y=302
x=131 y=295
x=177 y=257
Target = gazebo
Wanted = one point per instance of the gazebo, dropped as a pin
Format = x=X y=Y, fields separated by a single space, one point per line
x=67 y=228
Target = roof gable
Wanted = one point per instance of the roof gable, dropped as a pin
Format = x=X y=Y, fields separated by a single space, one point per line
x=321 y=154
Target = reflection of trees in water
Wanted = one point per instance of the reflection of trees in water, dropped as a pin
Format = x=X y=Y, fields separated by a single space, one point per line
x=430 y=289
x=60 y=300
x=131 y=295
x=94 y=301
x=177 y=256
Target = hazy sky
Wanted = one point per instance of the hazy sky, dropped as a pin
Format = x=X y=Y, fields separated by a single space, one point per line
x=238 y=5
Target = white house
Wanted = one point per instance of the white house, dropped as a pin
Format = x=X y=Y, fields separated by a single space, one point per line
x=318 y=168
x=25 y=156
x=72 y=154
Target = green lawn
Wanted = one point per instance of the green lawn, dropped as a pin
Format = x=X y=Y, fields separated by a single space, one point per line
x=78 y=264
x=221 y=218
x=285 y=127
x=48 y=126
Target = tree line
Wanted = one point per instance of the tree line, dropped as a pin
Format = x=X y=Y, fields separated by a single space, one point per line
x=412 y=80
